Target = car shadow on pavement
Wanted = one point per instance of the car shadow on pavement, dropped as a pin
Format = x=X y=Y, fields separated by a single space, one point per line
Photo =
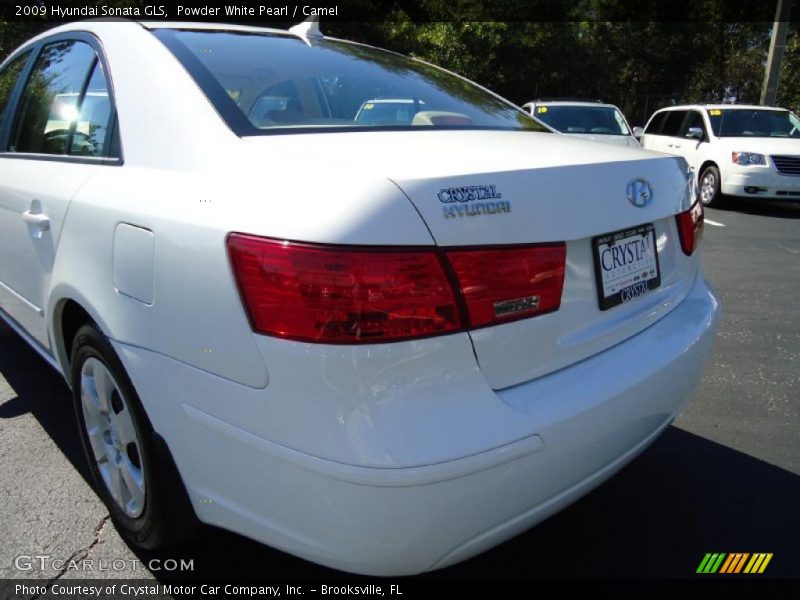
x=683 y=497
x=766 y=208
x=41 y=391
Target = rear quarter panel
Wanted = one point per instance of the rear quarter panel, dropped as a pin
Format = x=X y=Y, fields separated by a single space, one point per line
x=190 y=181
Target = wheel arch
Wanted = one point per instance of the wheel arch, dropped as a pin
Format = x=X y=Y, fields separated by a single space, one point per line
x=704 y=166
x=69 y=311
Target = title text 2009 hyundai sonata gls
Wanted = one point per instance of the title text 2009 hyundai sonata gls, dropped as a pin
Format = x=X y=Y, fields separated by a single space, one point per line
x=381 y=344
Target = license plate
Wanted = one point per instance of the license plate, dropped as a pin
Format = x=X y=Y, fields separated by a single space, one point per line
x=626 y=265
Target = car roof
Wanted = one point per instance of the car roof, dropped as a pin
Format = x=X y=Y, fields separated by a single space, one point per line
x=211 y=27
x=393 y=101
x=95 y=26
x=570 y=103
x=720 y=107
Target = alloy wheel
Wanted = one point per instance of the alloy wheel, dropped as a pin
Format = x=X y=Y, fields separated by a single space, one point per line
x=708 y=187
x=115 y=443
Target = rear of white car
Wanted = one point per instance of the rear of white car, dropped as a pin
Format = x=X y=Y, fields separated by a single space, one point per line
x=381 y=350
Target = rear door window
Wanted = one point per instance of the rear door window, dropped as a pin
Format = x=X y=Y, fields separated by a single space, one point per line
x=656 y=124
x=50 y=105
x=673 y=122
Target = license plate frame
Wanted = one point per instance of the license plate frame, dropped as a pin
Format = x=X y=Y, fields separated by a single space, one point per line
x=626 y=282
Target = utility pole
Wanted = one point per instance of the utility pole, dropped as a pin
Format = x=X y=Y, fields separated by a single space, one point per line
x=769 y=91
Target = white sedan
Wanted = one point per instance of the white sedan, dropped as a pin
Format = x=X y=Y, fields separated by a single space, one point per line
x=382 y=347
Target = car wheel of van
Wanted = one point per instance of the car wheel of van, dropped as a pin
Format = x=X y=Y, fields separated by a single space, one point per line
x=117 y=440
x=709 y=186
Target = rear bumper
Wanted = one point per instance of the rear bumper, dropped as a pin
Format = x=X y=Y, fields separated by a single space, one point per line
x=761 y=182
x=585 y=422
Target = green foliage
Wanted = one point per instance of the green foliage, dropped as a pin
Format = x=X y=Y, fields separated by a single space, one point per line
x=703 y=56
x=13 y=34
x=789 y=86
x=589 y=48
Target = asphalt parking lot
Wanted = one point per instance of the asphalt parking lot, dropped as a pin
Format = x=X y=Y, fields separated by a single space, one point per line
x=724 y=478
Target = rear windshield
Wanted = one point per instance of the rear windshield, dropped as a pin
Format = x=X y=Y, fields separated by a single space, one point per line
x=603 y=120
x=262 y=83
x=739 y=122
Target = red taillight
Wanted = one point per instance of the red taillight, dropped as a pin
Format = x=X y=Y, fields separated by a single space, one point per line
x=690 y=228
x=331 y=294
x=342 y=295
x=500 y=285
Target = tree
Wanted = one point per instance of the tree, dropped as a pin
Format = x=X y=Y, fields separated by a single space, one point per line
x=789 y=86
x=591 y=48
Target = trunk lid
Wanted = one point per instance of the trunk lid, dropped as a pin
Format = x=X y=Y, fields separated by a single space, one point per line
x=475 y=188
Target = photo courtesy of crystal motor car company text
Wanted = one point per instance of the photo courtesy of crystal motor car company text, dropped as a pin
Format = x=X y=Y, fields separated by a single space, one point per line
x=409 y=296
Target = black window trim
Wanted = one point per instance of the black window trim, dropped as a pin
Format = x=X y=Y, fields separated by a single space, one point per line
x=36 y=49
x=688 y=116
x=81 y=97
x=656 y=115
x=677 y=135
x=709 y=131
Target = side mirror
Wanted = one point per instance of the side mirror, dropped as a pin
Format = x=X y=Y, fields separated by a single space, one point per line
x=695 y=133
x=638 y=132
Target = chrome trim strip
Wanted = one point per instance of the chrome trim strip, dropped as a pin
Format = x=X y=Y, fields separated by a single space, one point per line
x=18 y=296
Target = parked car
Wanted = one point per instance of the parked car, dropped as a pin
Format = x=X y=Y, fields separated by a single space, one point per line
x=591 y=120
x=738 y=150
x=381 y=348
x=388 y=111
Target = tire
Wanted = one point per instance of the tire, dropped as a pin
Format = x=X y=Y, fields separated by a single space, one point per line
x=709 y=190
x=120 y=449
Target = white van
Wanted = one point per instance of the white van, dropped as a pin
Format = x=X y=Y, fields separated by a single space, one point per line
x=750 y=151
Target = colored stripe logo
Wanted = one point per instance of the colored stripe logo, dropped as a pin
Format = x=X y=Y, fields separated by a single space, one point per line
x=737 y=562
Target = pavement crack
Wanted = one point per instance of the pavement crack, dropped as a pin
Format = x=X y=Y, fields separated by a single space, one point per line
x=79 y=554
